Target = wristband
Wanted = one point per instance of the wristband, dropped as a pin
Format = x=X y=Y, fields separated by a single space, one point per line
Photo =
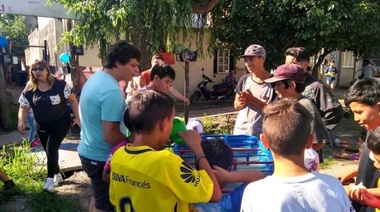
x=202 y=155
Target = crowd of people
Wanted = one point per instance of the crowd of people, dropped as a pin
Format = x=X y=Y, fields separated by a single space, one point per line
x=291 y=112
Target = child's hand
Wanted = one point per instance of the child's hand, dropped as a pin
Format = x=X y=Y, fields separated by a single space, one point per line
x=369 y=199
x=355 y=193
x=221 y=174
x=192 y=140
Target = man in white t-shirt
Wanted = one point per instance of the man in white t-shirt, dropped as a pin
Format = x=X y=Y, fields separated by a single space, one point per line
x=292 y=187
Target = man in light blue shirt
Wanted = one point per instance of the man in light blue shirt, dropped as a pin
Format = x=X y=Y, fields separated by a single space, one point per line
x=101 y=110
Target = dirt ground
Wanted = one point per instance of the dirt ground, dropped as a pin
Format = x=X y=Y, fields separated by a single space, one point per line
x=78 y=185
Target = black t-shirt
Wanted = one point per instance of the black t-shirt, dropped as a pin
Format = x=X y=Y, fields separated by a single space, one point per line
x=330 y=109
x=368 y=174
x=50 y=105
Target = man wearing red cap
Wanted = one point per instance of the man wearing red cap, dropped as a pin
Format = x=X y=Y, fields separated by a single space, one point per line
x=252 y=93
x=289 y=82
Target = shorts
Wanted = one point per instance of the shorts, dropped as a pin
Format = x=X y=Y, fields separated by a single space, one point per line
x=94 y=170
x=331 y=82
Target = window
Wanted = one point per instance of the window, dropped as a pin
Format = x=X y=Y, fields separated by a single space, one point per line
x=222 y=61
x=347 y=59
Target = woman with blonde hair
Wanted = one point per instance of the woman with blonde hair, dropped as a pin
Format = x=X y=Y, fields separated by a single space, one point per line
x=48 y=97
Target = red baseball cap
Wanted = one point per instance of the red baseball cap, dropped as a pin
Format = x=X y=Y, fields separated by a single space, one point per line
x=288 y=71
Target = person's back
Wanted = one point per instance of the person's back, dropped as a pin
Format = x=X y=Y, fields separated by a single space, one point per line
x=292 y=187
x=311 y=192
x=144 y=174
x=146 y=178
x=330 y=109
x=318 y=127
x=93 y=145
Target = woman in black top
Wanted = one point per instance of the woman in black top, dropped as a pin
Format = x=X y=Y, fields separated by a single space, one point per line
x=48 y=97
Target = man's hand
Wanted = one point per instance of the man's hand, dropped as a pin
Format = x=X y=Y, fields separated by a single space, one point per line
x=246 y=97
x=186 y=101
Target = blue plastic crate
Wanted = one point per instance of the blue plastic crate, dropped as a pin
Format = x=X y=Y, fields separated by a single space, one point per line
x=248 y=151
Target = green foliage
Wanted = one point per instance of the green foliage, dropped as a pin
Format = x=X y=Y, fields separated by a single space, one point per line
x=13 y=28
x=315 y=24
x=28 y=173
x=156 y=23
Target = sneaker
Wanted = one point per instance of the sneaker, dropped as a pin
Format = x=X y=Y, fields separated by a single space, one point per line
x=8 y=185
x=35 y=143
x=49 y=185
x=58 y=179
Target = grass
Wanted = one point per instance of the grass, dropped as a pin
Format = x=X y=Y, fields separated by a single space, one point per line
x=328 y=162
x=29 y=178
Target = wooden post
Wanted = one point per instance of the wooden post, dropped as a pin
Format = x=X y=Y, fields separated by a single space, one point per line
x=4 y=106
x=186 y=91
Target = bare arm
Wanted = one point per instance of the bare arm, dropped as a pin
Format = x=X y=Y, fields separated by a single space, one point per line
x=347 y=173
x=74 y=105
x=129 y=88
x=22 y=112
x=112 y=133
x=238 y=104
x=245 y=176
x=193 y=140
x=140 y=82
x=177 y=94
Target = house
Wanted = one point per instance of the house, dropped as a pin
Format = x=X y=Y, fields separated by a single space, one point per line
x=347 y=65
x=218 y=64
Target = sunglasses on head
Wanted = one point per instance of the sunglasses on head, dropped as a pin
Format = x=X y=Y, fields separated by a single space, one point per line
x=39 y=68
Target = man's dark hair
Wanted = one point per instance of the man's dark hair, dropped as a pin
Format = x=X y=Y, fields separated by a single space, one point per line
x=287 y=127
x=300 y=86
x=149 y=107
x=365 y=91
x=373 y=141
x=121 y=52
x=218 y=153
x=299 y=53
x=162 y=70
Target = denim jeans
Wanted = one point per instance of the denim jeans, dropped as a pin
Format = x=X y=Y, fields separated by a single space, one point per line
x=32 y=131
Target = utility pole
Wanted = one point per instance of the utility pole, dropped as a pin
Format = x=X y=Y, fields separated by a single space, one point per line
x=186 y=110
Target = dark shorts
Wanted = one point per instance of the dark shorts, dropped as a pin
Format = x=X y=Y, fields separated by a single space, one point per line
x=94 y=170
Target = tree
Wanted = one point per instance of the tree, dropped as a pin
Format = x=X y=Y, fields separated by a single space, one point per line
x=149 y=25
x=12 y=28
x=352 y=25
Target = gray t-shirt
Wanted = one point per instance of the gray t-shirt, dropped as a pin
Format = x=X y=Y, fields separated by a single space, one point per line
x=312 y=192
x=250 y=118
x=318 y=128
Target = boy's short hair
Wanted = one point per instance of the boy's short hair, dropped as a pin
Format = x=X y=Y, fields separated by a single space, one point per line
x=218 y=153
x=127 y=121
x=287 y=126
x=300 y=53
x=300 y=86
x=365 y=91
x=162 y=70
x=149 y=107
x=373 y=141
x=121 y=52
